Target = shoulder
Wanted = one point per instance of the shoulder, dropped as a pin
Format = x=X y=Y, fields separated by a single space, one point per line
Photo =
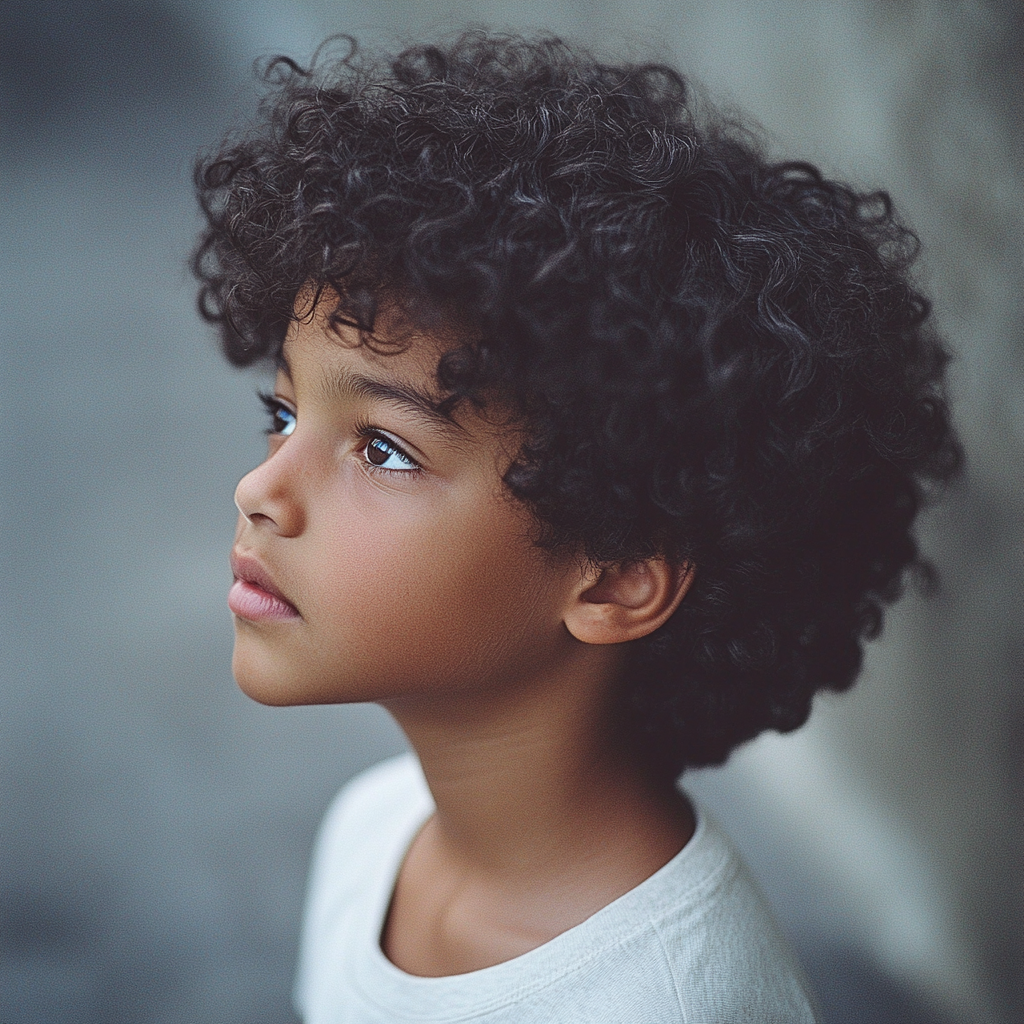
x=694 y=943
x=372 y=816
x=727 y=955
x=377 y=793
x=361 y=840
x=389 y=792
x=368 y=813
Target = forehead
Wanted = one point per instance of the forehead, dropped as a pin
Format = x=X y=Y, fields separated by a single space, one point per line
x=397 y=365
x=395 y=349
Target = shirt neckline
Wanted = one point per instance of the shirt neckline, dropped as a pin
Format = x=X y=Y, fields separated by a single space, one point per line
x=417 y=998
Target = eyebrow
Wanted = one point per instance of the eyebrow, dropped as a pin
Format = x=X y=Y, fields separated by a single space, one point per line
x=342 y=385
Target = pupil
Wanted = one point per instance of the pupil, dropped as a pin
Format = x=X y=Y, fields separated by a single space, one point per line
x=378 y=452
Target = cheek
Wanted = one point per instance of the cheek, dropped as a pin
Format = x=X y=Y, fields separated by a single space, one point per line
x=429 y=592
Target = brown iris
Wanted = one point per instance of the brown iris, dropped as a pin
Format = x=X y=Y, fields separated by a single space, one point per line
x=378 y=451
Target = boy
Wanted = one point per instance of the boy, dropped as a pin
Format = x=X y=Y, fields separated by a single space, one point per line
x=595 y=446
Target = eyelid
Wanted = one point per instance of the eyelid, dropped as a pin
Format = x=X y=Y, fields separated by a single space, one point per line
x=274 y=406
x=367 y=431
x=272 y=401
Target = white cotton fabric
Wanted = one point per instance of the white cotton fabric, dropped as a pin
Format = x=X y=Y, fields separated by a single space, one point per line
x=693 y=943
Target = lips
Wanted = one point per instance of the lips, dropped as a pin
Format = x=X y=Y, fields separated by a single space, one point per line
x=254 y=596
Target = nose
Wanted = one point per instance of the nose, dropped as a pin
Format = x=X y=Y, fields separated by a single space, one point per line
x=269 y=496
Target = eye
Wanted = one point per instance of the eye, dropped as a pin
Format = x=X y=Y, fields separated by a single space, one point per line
x=282 y=419
x=382 y=453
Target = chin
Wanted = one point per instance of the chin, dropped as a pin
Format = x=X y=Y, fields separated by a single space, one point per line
x=262 y=684
x=263 y=692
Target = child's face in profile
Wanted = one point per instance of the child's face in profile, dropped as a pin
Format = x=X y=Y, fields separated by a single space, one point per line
x=377 y=556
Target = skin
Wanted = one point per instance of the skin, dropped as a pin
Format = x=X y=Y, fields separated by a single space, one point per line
x=416 y=584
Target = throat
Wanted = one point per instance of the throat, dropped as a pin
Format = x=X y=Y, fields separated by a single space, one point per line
x=451 y=914
x=542 y=818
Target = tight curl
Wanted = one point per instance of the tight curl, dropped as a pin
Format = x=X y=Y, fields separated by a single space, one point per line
x=716 y=358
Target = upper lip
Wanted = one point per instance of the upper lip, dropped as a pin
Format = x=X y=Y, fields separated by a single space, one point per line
x=250 y=569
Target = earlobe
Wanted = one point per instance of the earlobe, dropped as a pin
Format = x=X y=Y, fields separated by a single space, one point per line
x=627 y=601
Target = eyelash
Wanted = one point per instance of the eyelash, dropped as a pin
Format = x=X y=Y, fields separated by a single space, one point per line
x=369 y=433
x=363 y=429
x=274 y=407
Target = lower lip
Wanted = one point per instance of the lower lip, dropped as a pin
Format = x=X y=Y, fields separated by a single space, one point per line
x=253 y=603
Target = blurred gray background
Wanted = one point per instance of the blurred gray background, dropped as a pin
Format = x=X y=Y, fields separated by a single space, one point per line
x=154 y=823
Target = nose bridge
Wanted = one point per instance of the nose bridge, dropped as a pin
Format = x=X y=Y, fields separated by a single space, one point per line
x=277 y=489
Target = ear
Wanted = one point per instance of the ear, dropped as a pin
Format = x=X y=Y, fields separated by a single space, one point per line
x=626 y=601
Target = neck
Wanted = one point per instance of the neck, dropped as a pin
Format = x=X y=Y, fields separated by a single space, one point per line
x=531 y=783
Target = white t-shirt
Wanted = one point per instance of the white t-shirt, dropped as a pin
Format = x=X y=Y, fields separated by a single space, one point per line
x=693 y=943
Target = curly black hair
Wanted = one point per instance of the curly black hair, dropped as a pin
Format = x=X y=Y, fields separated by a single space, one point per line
x=717 y=358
